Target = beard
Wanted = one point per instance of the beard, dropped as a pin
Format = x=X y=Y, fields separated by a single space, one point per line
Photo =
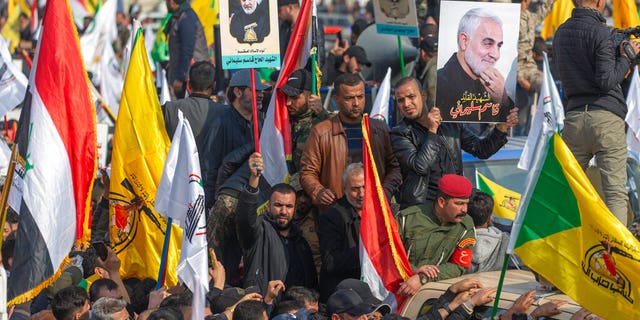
x=475 y=62
x=249 y=10
x=280 y=226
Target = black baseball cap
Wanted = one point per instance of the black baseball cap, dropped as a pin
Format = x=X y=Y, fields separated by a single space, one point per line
x=298 y=81
x=358 y=53
x=286 y=2
x=348 y=301
x=364 y=291
x=429 y=44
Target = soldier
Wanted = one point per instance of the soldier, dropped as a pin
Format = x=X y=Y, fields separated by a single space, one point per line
x=305 y=110
x=529 y=76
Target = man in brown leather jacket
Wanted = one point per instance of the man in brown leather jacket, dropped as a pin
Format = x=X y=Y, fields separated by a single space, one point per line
x=337 y=142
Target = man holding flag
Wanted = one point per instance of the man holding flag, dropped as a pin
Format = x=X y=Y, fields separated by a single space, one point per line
x=305 y=111
x=273 y=247
x=337 y=141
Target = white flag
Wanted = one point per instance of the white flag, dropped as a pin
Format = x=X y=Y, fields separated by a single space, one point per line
x=99 y=57
x=181 y=197
x=549 y=116
x=380 y=109
x=633 y=114
x=13 y=84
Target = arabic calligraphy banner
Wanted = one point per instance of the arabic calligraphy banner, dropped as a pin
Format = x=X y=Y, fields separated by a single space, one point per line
x=249 y=34
x=397 y=17
x=478 y=48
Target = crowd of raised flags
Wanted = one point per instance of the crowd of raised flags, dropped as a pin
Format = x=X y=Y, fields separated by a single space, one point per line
x=559 y=215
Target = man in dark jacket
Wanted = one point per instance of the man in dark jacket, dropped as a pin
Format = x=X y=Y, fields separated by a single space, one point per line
x=428 y=149
x=186 y=42
x=233 y=127
x=272 y=246
x=339 y=233
x=591 y=69
x=198 y=108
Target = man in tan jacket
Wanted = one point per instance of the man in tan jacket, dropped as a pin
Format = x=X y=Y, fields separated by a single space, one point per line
x=337 y=142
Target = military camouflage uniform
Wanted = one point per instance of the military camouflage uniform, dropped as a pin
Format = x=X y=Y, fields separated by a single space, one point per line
x=427 y=241
x=300 y=128
x=428 y=80
x=221 y=216
x=529 y=20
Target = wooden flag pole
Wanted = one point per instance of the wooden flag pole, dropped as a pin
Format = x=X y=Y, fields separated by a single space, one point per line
x=7 y=187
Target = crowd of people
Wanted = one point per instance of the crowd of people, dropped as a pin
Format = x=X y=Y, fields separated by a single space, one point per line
x=298 y=255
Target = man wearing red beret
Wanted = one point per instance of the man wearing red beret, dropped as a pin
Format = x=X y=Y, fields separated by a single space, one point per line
x=438 y=236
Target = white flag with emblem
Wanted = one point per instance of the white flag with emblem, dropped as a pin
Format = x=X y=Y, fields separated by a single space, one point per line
x=549 y=116
x=13 y=84
x=380 y=109
x=633 y=114
x=181 y=197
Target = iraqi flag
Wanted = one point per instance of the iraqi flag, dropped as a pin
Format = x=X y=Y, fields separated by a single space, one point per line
x=383 y=260
x=276 y=132
x=57 y=138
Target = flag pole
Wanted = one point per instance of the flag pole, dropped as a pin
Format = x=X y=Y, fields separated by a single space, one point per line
x=403 y=72
x=256 y=131
x=163 y=260
x=505 y=264
x=314 y=48
x=26 y=57
x=7 y=187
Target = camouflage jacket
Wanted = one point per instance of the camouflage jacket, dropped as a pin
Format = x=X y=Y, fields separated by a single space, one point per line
x=529 y=20
x=427 y=241
x=300 y=129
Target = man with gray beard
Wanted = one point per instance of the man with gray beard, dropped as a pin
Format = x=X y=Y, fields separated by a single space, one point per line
x=251 y=23
x=339 y=233
x=470 y=77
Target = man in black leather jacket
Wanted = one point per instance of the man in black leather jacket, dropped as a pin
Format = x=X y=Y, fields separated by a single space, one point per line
x=591 y=71
x=428 y=149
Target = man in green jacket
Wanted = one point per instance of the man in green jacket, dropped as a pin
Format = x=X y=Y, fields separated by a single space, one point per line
x=439 y=236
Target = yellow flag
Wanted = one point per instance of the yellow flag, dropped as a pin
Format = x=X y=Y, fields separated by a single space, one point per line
x=140 y=147
x=625 y=14
x=559 y=14
x=207 y=11
x=568 y=235
x=505 y=201
x=11 y=29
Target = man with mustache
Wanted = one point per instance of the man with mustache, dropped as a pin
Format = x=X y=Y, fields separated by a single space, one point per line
x=470 y=76
x=339 y=233
x=250 y=23
x=337 y=142
x=439 y=236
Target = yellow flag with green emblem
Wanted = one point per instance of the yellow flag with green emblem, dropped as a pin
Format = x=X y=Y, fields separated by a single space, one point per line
x=505 y=201
x=140 y=147
x=565 y=233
